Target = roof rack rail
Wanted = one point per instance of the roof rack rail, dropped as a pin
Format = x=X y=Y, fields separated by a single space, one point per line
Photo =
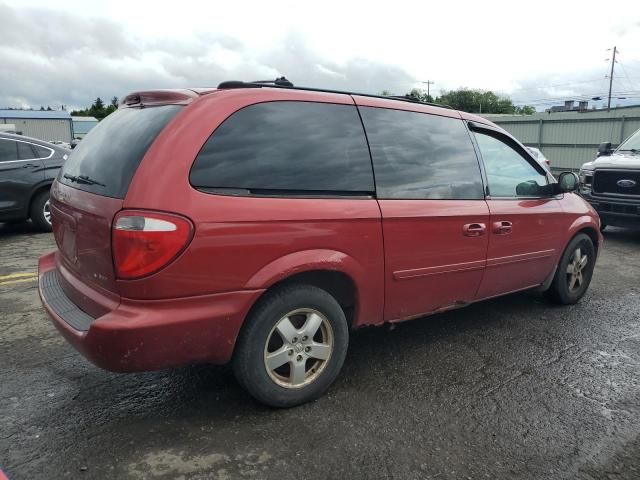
x=282 y=82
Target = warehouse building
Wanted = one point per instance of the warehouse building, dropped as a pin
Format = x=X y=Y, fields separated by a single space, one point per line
x=43 y=125
x=82 y=125
x=570 y=137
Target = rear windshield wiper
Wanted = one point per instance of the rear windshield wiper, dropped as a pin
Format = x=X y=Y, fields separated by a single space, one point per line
x=83 y=179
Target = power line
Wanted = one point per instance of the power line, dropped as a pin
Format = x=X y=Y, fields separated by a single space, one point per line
x=624 y=72
x=551 y=100
x=542 y=87
x=562 y=97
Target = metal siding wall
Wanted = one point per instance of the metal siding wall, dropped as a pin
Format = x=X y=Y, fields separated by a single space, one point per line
x=43 y=129
x=630 y=126
x=525 y=132
x=569 y=140
x=577 y=133
x=563 y=158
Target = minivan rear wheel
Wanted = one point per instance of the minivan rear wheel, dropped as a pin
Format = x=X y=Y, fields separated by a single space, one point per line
x=292 y=346
x=574 y=272
x=41 y=211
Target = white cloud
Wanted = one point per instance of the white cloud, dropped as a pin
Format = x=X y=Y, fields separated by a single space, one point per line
x=72 y=51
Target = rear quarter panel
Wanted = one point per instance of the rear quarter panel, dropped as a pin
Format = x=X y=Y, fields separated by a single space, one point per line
x=52 y=165
x=250 y=242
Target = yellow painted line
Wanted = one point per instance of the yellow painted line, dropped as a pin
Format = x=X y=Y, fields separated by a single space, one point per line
x=17 y=275
x=21 y=280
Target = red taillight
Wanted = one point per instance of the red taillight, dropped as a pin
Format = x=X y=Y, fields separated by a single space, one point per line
x=145 y=242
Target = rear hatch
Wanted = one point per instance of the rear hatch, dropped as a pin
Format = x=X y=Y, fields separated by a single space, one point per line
x=90 y=190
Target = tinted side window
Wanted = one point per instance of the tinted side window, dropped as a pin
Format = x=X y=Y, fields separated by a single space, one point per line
x=287 y=147
x=24 y=151
x=8 y=150
x=41 y=152
x=421 y=156
x=509 y=174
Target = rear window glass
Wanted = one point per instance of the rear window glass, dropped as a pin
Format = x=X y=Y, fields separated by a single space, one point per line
x=8 y=150
x=42 y=152
x=24 y=151
x=106 y=159
x=287 y=148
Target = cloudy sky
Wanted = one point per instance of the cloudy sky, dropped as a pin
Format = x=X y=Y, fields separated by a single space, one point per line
x=69 y=52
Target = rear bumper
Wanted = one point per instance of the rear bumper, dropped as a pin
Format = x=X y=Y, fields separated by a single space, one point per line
x=615 y=211
x=141 y=335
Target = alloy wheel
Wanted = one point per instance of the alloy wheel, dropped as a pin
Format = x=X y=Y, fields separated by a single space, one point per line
x=576 y=269
x=298 y=348
x=46 y=212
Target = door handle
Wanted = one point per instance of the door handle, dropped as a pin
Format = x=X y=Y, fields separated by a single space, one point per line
x=502 y=228
x=28 y=165
x=474 y=229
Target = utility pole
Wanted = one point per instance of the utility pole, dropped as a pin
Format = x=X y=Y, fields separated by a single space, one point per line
x=613 y=62
x=428 y=83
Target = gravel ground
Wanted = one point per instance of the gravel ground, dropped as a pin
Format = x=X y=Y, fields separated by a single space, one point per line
x=510 y=388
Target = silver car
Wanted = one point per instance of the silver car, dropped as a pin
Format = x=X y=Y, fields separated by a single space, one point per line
x=539 y=156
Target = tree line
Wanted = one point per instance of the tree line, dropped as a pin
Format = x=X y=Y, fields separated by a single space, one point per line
x=98 y=109
x=472 y=101
x=465 y=99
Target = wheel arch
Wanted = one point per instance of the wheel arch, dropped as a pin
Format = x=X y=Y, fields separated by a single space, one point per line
x=593 y=234
x=585 y=225
x=360 y=296
x=588 y=225
x=37 y=190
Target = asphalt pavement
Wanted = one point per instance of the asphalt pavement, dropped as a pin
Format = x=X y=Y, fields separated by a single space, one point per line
x=506 y=389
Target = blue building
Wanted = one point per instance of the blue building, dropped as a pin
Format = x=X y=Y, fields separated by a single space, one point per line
x=82 y=125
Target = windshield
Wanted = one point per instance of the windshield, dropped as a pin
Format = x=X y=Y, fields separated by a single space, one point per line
x=631 y=144
x=105 y=161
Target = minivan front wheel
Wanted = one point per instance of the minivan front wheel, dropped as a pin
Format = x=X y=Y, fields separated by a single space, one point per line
x=292 y=346
x=575 y=270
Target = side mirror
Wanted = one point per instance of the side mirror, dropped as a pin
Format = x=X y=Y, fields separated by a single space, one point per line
x=604 y=149
x=528 y=189
x=568 y=182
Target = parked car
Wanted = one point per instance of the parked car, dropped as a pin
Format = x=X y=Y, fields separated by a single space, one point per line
x=539 y=156
x=259 y=224
x=611 y=183
x=27 y=169
x=62 y=144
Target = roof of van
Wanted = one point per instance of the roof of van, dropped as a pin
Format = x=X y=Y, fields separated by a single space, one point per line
x=187 y=95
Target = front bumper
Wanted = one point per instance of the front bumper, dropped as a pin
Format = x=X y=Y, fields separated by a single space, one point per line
x=614 y=211
x=141 y=335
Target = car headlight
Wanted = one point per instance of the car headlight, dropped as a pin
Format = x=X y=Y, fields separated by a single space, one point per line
x=586 y=178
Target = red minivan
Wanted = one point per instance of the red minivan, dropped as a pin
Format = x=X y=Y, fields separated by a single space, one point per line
x=259 y=223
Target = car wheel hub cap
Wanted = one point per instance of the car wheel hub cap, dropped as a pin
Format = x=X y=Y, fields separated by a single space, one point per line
x=576 y=269
x=46 y=211
x=298 y=348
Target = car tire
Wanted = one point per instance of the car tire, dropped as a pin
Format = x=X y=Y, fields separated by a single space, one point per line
x=40 y=213
x=574 y=271
x=292 y=346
